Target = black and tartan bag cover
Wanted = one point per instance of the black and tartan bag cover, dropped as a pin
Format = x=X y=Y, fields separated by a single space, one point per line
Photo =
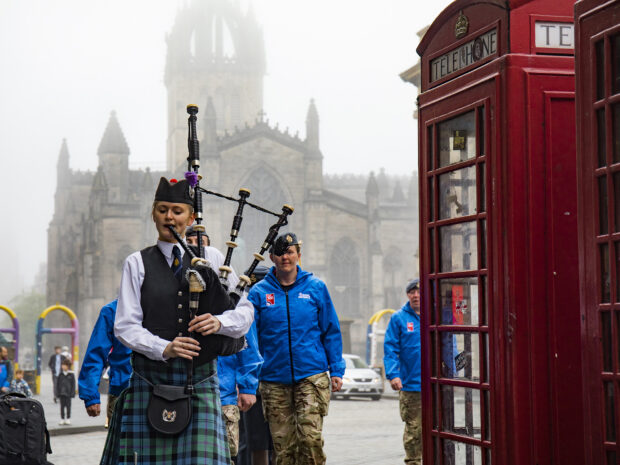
x=169 y=409
x=24 y=438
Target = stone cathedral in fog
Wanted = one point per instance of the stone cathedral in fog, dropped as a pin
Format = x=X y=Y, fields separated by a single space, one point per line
x=360 y=233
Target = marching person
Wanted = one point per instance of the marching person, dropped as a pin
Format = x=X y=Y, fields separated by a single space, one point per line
x=104 y=349
x=238 y=374
x=255 y=444
x=402 y=362
x=300 y=341
x=191 y=237
x=152 y=318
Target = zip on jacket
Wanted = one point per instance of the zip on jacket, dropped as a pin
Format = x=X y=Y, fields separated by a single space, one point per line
x=290 y=344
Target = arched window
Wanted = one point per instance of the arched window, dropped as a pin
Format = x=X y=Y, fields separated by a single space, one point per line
x=222 y=39
x=344 y=278
x=265 y=191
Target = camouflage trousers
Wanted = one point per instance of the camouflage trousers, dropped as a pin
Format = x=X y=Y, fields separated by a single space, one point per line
x=111 y=404
x=411 y=414
x=231 y=416
x=295 y=415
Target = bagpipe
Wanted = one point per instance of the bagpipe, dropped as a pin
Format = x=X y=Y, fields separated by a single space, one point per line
x=204 y=282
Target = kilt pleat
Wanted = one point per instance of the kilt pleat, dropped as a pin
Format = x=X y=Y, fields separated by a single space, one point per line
x=131 y=439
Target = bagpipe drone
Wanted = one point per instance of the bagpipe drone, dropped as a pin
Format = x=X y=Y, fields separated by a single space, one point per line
x=204 y=282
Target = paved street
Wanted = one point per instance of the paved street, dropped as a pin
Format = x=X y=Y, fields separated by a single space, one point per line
x=356 y=432
x=79 y=418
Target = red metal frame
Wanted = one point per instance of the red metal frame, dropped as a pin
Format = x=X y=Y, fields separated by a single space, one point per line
x=433 y=325
x=596 y=21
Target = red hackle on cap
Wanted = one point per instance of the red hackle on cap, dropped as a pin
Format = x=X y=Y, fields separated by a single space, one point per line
x=173 y=181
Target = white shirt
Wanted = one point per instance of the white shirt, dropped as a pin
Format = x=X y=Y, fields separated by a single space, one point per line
x=128 y=322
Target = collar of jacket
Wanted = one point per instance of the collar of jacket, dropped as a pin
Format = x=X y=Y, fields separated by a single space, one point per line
x=302 y=277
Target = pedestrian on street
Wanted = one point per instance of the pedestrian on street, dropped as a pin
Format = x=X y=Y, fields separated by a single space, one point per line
x=153 y=319
x=4 y=384
x=300 y=341
x=19 y=384
x=4 y=359
x=66 y=392
x=255 y=444
x=66 y=354
x=401 y=360
x=238 y=375
x=104 y=349
x=55 y=364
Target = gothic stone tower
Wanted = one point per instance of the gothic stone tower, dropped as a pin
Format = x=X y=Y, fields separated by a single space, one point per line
x=214 y=51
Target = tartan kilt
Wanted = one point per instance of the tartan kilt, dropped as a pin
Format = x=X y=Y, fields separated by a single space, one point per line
x=204 y=440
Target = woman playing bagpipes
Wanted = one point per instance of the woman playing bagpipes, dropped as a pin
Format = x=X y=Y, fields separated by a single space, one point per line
x=170 y=413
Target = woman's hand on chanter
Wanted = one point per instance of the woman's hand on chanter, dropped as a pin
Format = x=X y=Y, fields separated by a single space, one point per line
x=184 y=347
x=205 y=324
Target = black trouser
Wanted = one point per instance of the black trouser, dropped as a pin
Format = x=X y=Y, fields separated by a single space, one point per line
x=55 y=384
x=65 y=405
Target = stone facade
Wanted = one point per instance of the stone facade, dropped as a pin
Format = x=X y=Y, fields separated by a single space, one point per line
x=360 y=233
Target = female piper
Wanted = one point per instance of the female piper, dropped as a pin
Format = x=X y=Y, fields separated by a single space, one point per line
x=153 y=320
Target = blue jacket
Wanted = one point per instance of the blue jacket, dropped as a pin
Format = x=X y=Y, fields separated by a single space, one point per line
x=4 y=382
x=98 y=355
x=298 y=330
x=240 y=370
x=401 y=348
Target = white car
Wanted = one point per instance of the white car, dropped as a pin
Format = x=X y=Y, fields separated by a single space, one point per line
x=359 y=380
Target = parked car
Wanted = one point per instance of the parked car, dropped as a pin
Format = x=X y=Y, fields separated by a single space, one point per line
x=359 y=380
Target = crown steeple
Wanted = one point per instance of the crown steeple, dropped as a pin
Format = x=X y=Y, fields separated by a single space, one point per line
x=215 y=50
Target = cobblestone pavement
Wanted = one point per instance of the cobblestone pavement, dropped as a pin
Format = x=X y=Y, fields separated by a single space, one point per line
x=356 y=432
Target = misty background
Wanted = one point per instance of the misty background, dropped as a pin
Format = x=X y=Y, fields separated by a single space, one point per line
x=66 y=64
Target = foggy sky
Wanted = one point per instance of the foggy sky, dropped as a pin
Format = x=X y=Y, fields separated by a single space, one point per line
x=66 y=64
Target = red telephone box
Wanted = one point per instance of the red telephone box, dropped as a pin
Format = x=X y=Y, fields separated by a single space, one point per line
x=598 y=135
x=501 y=361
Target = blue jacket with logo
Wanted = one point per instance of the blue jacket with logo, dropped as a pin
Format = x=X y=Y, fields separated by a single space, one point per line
x=298 y=330
x=103 y=349
x=401 y=348
x=240 y=370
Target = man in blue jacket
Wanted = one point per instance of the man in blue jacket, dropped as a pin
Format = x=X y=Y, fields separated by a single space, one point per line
x=300 y=341
x=402 y=360
x=103 y=350
x=238 y=373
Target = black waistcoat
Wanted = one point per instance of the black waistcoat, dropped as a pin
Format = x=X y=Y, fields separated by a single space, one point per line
x=165 y=305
